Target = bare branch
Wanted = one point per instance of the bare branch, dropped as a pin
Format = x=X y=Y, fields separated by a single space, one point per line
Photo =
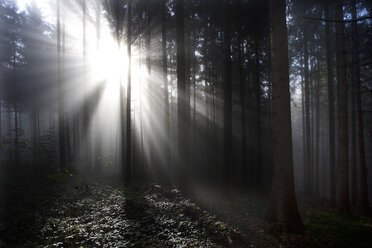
x=327 y=20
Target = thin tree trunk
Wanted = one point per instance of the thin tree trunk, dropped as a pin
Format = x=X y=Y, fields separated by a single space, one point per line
x=283 y=207
x=129 y=95
x=98 y=131
x=258 y=113
x=66 y=122
x=332 y=179
x=122 y=124
x=242 y=110
x=303 y=122
x=61 y=110
x=317 y=127
x=165 y=81
x=86 y=133
x=343 y=194
x=227 y=109
x=181 y=89
x=307 y=164
x=363 y=167
x=1 y=118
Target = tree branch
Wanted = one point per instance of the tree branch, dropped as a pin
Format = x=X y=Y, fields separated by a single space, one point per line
x=327 y=20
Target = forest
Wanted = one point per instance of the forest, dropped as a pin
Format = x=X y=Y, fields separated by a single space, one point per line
x=185 y=123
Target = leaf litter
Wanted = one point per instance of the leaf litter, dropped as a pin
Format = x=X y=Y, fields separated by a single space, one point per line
x=101 y=215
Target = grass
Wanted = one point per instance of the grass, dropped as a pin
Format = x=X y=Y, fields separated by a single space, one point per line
x=324 y=226
x=333 y=229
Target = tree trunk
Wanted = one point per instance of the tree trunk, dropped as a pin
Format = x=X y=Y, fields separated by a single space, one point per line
x=129 y=96
x=242 y=111
x=332 y=179
x=283 y=210
x=317 y=127
x=181 y=89
x=307 y=165
x=165 y=82
x=98 y=127
x=362 y=155
x=86 y=133
x=1 y=118
x=258 y=115
x=61 y=110
x=227 y=109
x=343 y=194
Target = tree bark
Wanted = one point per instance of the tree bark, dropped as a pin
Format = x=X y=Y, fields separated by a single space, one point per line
x=61 y=110
x=227 y=109
x=129 y=94
x=317 y=126
x=98 y=131
x=258 y=114
x=242 y=110
x=282 y=210
x=181 y=89
x=1 y=118
x=307 y=165
x=363 y=167
x=332 y=179
x=87 y=147
x=165 y=82
x=343 y=189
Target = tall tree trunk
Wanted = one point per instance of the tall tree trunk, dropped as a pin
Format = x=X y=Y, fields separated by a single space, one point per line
x=332 y=179
x=307 y=170
x=303 y=122
x=16 y=128
x=312 y=123
x=283 y=207
x=353 y=134
x=317 y=126
x=86 y=133
x=9 y=121
x=187 y=128
x=1 y=118
x=129 y=91
x=227 y=109
x=343 y=194
x=362 y=155
x=258 y=114
x=181 y=89
x=63 y=73
x=165 y=82
x=61 y=109
x=242 y=109
x=98 y=126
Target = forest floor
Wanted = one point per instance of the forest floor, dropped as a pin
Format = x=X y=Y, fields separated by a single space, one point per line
x=41 y=213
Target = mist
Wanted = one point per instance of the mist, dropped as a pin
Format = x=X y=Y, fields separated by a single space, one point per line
x=173 y=123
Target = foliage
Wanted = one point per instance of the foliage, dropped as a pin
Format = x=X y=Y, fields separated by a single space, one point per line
x=47 y=147
x=61 y=175
x=332 y=229
x=106 y=216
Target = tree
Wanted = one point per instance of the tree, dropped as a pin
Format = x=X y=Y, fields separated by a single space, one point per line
x=181 y=88
x=98 y=130
x=343 y=189
x=363 y=167
x=282 y=207
x=61 y=110
x=227 y=110
x=307 y=165
x=129 y=92
x=332 y=178
x=165 y=81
